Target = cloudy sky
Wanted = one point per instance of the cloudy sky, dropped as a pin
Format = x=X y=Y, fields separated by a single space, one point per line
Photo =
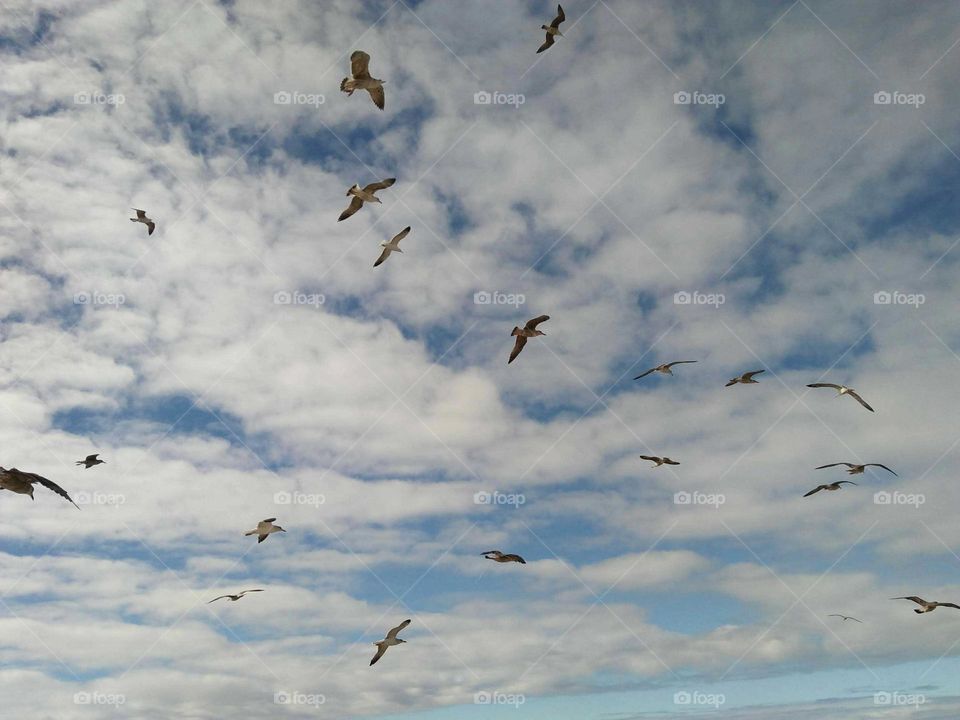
x=749 y=184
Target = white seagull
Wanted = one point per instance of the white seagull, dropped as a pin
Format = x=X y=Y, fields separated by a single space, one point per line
x=264 y=528
x=829 y=486
x=845 y=617
x=500 y=557
x=392 y=246
x=362 y=195
x=665 y=368
x=361 y=80
x=745 y=379
x=389 y=641
x=234 y=598
x=142 y=218
x=926 y=606
x=856 y=469
x=843 y=390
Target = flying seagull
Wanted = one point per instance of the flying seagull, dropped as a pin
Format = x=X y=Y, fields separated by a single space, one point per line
x=829 y=486
x=265 y=528
x=527 y=331
x=234 y=598
x=361 y=80
x=857 y=469
x=392 y=246
x=845 y=617
x=745 y=379
x=665 y=368
x=553 y=29
x=927 y=606
x=90 y=460
x=658 y=461
x=142 y=218
x=389 y=641
x=22 y=483
x=500 y=557
x=362 y=195
x=843 y=390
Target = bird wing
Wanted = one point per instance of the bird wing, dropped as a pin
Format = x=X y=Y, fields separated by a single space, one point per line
x=267 y=520
x=218 y=598
x=749 y=375
x=373 y=187
x=394 y=631
x=359 y=64
x=383 y=256
x=151 y=226
x=400 y=236
x=91 y=457
x=378 y=96
x=516 y=558
x=381 y=649
x=558 y=19
x=491 y=552
x=250 y=591
x=949 y=605
x=645 y=374
x=679 y=362
x=546 y=43
x=532 y=324
x=51 y=485
x=261 y=538
x=355 y=204
x=834 y=465
x=859 y=399
x=914 y=598
x=882 y=466
x=668 y=461
x=815 y=490
x=517 y=347
x=732 y=382
x=650 y=457
x=141 y=214
x=841 y=482
x=829 y=385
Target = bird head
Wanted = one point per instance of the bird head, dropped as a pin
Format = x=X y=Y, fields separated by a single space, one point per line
x=544 y=27
x=540 y=332
x=400 y=641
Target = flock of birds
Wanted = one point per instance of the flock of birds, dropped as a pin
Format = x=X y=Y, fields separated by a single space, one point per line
x=21 y=482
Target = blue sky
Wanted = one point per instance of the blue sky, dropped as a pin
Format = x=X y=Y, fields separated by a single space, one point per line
x=787 y=198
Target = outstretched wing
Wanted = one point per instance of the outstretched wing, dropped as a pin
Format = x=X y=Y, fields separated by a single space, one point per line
x=881 y=466
x=749 y=375
x=250 y=591
x=383 y=256
x=546 y=43
x=914 y=598
x=949 y=605
x=859 y=399
x=829 y=385
x=219 y=598
x=517 y=347
x=359 y=64
x=91 y=458
x=645 y=374
x=141 y=214
x=679 y=362
x=650 y=457
x=394 y=631
x=516 y=558
x=51 y=485
x=381 y=649
x=355 y=204
x=151 y=226
x=373 y=187
x=532 y=324
x=849 y=465
x=378 y=97
x=558 y=19
x=815 y=490
x=400 y=236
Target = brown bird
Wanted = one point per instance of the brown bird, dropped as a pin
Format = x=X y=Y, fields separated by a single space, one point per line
x=90 y=460
x=553 y=30
x=22 y=483
x=362 y=195
x=142 y=218
x=856 y=469
x=527 y=331
x=829 y=486
x=843 y=390
x=500 y=557
x=234 y=598
x=927 y=606
x=361 y=80
x=745 y=379
x=658 y=461
x=665 y=368
x=389 y=641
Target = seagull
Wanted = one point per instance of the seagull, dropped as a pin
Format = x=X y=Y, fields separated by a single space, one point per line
x=361 y=195
x=142 y=218
x=22 y=483
x=392 y=246
x=745 y=379
x=829 y=486
x=658 y=461
x=856 y=469
x=389 y=641
x=90 y=460
x=265 y=528
x=500 y=557
x=527 y=331
x=665 y=368
x=552 y=29
x=845 y=617
x=361 y=80
x=234 y=598
x=927 y=606
x=843 y=390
